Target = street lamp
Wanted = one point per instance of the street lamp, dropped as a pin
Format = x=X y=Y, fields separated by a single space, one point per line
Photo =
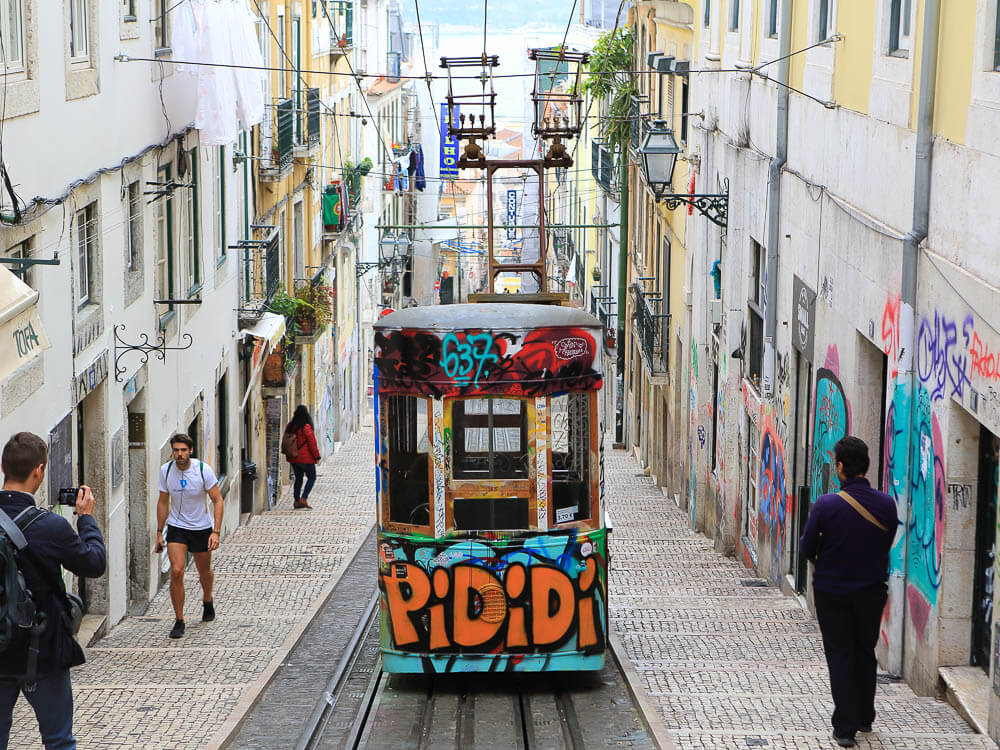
x=659 y=153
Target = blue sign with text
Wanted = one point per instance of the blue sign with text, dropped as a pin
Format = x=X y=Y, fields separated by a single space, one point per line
x=449 y=146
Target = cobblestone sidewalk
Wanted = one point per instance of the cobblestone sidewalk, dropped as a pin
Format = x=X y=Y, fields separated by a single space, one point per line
x=731 y=666
x=140 y=689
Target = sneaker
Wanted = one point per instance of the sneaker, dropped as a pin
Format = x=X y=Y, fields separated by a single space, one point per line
x=207 y=611
x=302 y=504
x=867 y=728
x=178 y=629
x=844 y=740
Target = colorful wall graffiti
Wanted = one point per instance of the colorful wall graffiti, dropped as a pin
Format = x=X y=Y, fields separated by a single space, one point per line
x=775 y=500
x=928 y=496
x=473 y=362
x=525 y=603
x=830 y=423
x=942 y=358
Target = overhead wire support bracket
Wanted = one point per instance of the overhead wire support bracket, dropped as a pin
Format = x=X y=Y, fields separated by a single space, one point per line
x=145 y=348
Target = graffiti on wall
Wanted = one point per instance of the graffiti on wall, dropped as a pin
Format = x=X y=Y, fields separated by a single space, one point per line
x=775 y=500
x=528 y=595
x=831 y=422
x=943 y=355
x=890 y=332
x=472 y=362
x=929 y=495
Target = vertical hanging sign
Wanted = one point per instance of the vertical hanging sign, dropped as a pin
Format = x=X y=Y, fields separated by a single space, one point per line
x=511 y=214
x=449 y=146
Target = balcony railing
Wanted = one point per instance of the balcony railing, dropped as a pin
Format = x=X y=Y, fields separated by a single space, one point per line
x=261 y=270
x=342 y=31
x=603 y=307
x=276 y=139
x=652 y=329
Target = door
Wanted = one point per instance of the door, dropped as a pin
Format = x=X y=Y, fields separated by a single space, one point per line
x=800 y=463
x=986 y=524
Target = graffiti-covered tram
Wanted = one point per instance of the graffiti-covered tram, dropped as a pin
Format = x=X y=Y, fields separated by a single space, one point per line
x=492 y=541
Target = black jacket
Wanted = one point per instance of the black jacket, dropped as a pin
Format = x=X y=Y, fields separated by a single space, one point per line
x=53 y=543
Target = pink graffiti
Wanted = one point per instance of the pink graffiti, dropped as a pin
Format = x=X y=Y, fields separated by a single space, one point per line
x=920 y=609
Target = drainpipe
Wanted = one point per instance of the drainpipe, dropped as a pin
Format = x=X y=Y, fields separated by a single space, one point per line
x=903 y=401
x=622 y=284
x=774 y=202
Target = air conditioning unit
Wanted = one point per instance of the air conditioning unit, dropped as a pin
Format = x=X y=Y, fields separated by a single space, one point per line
x=716 y=312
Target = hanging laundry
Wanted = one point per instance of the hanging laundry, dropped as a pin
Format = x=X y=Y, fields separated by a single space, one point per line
x=420 y=182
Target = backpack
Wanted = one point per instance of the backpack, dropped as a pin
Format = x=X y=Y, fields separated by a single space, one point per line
x=201 y=465
x=290 y=446
x=19 y=616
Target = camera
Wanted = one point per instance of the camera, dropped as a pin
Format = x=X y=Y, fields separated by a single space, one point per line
x=68 y=495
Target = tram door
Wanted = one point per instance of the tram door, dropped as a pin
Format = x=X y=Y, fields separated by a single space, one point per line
x=492 y=483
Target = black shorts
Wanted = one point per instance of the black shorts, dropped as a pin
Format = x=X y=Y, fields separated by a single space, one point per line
x=194 y=540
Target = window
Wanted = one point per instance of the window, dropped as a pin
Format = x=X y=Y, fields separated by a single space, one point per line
x=20 y=250
x=134 y=213
x=130 y=10
x=280 y=33
x=684 y=110
x=734 y=15
x=755 y=314
x=752 y=504
x=220 y=205
x=164 y=238
x=406 y=447
x=12 y=39
x=490 y=438
x=222 y=419
x=79 y=38
x=86 y=236
x=772 y=19
x=900 y=32
x=570 y=415
x=298 y=242
x=161 y=26
x=996 y=42
x=824 y=20
x=707 y=21
x=192 y=263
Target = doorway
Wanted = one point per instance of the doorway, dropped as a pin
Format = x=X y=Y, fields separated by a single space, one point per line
x=986 y=524
x=138 y=508
x=800 y=464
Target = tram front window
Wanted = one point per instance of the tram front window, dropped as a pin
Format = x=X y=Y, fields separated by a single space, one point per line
x=407 y=447
x=570 y=416
x=491 y=438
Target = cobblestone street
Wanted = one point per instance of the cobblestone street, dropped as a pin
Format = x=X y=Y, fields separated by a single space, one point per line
x=723 y=664
x=730 y=666
x=140 y=689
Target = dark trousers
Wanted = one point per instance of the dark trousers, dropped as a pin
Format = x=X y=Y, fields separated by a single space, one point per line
x=52 y=700
x=849 y=623
x=309 y=472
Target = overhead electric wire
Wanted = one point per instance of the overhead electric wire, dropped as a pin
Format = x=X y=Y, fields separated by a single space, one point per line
x=423 y=54
x=555 y=68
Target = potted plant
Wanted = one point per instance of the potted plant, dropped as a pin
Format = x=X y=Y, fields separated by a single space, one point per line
x=596 y=273
x=314 y=309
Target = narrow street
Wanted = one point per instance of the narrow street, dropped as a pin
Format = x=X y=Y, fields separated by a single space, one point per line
x=725 y=663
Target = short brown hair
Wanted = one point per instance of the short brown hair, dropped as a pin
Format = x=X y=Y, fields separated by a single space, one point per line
x=23 y=452
x=182 y=437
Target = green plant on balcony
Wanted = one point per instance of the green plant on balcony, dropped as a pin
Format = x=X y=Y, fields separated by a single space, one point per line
x=618 y=85
x=315 y=308
x=287 y=305
x=352 y=176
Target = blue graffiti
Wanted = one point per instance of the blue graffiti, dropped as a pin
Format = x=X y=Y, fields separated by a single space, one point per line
x=830 y=425
x=928 y=496
x=941 y=363
x=460 y=358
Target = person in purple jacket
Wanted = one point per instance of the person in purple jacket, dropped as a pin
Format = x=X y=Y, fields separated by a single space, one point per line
x=52 y=544
x=848 y=536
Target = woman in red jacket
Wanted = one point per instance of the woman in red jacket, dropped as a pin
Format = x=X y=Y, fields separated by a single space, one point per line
x=304 y=464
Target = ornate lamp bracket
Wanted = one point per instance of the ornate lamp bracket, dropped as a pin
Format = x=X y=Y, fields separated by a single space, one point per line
x=144 y=348
x=713 y=206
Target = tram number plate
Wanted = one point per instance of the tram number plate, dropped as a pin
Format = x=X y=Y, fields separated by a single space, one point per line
x=564 y=515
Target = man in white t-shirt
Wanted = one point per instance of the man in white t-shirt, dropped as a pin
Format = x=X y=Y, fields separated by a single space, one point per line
x=190 y=506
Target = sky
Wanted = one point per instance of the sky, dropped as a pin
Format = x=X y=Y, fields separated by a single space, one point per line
x=501 y=15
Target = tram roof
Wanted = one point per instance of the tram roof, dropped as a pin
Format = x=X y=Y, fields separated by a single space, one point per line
x=487 y=315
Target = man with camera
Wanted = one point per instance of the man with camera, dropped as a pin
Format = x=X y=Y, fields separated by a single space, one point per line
x=51 y=543
x=190 y=507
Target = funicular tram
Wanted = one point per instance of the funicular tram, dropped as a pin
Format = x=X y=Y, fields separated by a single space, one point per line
x=492 y=541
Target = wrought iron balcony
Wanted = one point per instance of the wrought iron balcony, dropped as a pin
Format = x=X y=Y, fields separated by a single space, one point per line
x=652 y=328
x=277 y=136
x=341 y=14
x=260 y=270
x=603 y=307
x=310 y=134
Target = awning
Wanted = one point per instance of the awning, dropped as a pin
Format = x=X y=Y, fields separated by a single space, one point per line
x=268 y=332
x=270 y=327
x=22 y=337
